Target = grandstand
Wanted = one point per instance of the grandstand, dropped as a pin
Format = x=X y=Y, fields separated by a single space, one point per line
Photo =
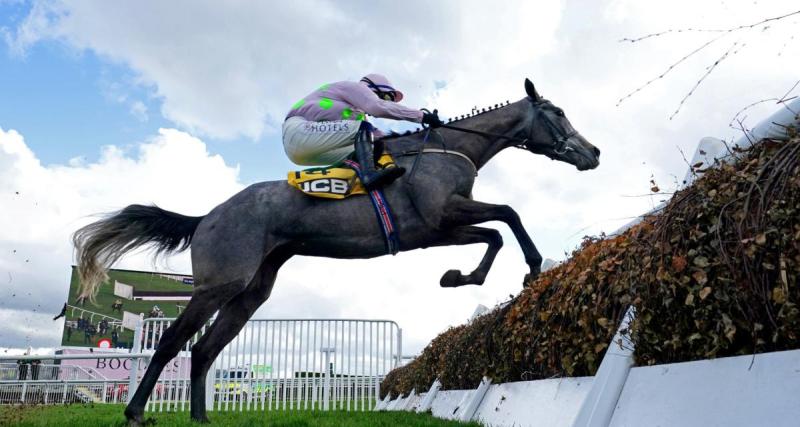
x=121 y=302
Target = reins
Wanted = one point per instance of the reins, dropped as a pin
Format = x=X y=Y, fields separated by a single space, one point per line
x=521 y=141
x=559 y=140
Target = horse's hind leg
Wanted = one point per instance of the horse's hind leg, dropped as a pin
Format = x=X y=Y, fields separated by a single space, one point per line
x=231 y=319
x=465 y=236
x=197 y=312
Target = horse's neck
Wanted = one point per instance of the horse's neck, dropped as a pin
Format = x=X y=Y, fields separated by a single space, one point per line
x=481 y=149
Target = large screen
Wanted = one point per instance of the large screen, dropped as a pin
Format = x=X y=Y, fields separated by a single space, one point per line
x=125 y=298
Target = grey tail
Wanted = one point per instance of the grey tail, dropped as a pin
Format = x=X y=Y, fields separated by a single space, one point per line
x=100 y=244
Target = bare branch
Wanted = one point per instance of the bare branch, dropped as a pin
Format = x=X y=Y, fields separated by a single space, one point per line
x=736 y=117
x=785 y=95
x=764 y=25
x=709 y=70
x=745 y=132
x=660 y=76
x=706 y=30
x=782 y=100
x=691 y=169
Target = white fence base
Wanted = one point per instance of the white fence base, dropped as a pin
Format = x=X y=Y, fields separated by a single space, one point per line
x=543 y=403
x=733 y=391
x=448 y=402
x=720 y=392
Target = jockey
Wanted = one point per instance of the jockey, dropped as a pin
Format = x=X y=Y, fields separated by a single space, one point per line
x=322 y=128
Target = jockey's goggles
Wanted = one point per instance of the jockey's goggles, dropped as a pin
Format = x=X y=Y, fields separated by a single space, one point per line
x=384 y=92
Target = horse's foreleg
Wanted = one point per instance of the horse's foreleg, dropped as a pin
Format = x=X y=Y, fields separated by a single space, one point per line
x=463 y=211
x=467 y=235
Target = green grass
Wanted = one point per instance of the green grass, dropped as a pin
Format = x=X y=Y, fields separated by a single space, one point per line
x=111 y=415
x=145 y=281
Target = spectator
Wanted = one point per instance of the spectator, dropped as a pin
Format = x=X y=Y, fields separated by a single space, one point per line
x=114 y=338
x=22 y=369
x=156 y=312
x=63 y=312
x=117 y=305
x=69 y=331
x=89 y=333
x=35 y=369
x=103 y=326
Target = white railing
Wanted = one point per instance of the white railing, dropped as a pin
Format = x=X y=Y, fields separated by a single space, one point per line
x=275 y=364
x=23 y=380
x=42 y=371
x=112 y=321
x=282 y=364
x=62 y=392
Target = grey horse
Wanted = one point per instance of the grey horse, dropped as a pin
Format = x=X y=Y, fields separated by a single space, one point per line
x=238 y=247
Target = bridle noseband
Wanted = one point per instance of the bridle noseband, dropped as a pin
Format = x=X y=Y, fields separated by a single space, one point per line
x=559 y=138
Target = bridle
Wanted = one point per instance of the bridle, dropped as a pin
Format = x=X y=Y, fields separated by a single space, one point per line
x=559 y=145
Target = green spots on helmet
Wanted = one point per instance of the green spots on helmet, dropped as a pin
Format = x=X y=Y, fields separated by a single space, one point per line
x=346 y=113
x=325 y=103
x=360 y=116
x=298 y=104
x=325 y=86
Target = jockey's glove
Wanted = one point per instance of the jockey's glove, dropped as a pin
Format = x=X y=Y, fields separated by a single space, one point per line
x=431 y=118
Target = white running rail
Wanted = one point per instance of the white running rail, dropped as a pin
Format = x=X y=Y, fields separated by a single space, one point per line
x=284 y=364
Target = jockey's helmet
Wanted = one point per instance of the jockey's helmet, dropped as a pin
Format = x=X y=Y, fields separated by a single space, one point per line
x=382 y=87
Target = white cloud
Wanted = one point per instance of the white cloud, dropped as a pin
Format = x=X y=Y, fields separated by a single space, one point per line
x=233 y=69
x=43 y=205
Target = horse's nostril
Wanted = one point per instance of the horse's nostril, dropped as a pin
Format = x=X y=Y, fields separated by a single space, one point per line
x=596 y=152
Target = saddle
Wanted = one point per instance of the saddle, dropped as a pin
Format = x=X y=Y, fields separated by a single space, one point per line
x=332 y=182
x=341 y=181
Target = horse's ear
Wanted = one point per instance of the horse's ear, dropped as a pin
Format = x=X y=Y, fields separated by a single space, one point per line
x=531 y=90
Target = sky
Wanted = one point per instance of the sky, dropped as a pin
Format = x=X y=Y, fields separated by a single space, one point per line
x=180 y=103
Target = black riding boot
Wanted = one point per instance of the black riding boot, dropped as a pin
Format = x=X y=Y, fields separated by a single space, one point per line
x=372 y=178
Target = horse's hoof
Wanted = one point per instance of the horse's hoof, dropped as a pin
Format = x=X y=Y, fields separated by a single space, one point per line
x=136 y=422
x=451 y=279
x=202 y=419
x=530 y=278
x=135 y=419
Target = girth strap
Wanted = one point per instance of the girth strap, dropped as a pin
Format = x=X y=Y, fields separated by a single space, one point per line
x=433 y=151
x=384 y=214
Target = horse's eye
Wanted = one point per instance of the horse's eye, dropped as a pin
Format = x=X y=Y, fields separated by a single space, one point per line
x=560 y=113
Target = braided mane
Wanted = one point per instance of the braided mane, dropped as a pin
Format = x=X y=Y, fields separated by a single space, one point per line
x=473 y=113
